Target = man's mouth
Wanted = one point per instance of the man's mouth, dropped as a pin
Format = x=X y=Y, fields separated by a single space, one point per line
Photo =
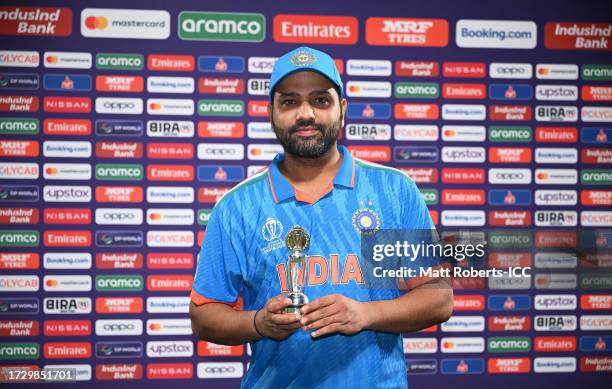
x=305 y=131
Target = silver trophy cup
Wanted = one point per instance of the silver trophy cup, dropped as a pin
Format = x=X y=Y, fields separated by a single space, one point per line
x=297 y=241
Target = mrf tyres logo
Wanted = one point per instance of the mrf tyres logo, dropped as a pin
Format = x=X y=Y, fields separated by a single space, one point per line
x=213 y=26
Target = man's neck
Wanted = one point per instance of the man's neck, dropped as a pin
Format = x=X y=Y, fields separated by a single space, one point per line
x=307 y=170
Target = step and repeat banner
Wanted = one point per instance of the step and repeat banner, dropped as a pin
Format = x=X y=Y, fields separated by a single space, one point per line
x=121 y=126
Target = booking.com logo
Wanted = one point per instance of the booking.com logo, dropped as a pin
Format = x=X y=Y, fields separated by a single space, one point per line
x=96 y=22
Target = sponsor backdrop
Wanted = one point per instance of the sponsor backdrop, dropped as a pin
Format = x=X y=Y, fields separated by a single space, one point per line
x=122 y=125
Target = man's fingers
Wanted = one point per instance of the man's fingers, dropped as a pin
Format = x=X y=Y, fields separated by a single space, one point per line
x=318 y=314
x=329 y=329
x=277 y=303
x=284 y=318
x=318 y=304
x=323 y=322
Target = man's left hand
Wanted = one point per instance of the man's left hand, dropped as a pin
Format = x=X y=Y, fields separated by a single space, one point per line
x=333 y=313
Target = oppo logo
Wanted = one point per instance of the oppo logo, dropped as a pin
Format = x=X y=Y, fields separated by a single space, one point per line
x=212 y=151
x=509 y=176
x=118 y=105
x=220 y=370
x=118 y=216
x=118 y=327
x=510 y=70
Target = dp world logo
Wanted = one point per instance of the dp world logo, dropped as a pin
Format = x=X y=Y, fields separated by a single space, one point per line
x=272 y=229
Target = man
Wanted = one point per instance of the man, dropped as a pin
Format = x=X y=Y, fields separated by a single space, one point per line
x=347 y=335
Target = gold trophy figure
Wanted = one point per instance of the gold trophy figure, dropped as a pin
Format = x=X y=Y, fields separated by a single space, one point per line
x=297 y=241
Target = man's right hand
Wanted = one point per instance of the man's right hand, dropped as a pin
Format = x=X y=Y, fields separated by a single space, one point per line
x=272 y=323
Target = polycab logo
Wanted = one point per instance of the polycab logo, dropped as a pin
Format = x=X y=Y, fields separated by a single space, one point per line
x=167 y=349
x=119 y=83
x=595 y=219
x=596 y=114
x=508 y=323
x=118 y=327
x=170 y=107
x=19 y=59
x=116 y=105
x=170 y=63
x=415 y=132
x=170 y=239
x=509 y=176
x=523 y=71
x=555 y=302
x=68 y=60
x=415 y=111
x=368 y=67
x=416 y=69
x=125 y=23
x=220 y=370
x=67 y=305
x=547 y=71
x=319 y=29
x=557 y=92
x=462 y=345
x=420 y=345
x=170 y=84
x=368 y=89
x=496 y=34
x=406 y=32
x=577 y=36
x=464 y=112
x=26 y=283
x=596 y=322
x=464 y=69
x=464 y=91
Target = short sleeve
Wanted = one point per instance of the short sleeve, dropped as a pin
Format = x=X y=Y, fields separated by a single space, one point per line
x=218 y=277
x=415 y=215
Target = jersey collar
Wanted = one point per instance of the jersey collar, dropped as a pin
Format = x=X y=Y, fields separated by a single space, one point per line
x=283 y=190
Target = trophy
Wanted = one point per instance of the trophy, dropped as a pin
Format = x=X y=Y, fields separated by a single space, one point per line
x=297 y=240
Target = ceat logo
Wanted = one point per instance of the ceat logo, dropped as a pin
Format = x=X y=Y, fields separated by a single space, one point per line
x=96 y=22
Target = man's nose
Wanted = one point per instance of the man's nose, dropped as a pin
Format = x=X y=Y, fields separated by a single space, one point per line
x=305 y=112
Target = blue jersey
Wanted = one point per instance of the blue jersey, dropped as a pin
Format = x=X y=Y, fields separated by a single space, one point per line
x=244 y=253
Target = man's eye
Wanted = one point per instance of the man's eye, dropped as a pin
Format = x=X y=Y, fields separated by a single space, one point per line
x=287 y=102
x=321 y=100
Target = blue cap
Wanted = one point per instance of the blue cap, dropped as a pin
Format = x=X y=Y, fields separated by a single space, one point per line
x=305 y=58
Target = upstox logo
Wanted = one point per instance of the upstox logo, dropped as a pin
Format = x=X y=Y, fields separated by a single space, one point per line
x=221 y=107
x=107 y=283
x=508 y=344
x=119 y=172
x=213 y=26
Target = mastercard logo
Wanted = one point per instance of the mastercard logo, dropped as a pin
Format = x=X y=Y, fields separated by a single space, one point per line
x=52 y=282
x=52 y=59
x=354 y=88
x=96 y=22
x=155 y=326
x=256 y=152
x=155 y=216
x=543 y=71
x=450 y=133
x=542 y=176
x=51 y=170
x=448 y=345
x=155 y=106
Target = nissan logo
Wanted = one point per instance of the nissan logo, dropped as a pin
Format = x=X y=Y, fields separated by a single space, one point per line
x=119 y=105
x=220 y=370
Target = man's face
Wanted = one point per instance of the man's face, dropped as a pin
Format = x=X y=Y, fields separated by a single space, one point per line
x=306 y=114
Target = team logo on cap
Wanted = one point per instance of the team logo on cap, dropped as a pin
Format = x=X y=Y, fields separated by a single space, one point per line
x=303 y=58
x=365 y=220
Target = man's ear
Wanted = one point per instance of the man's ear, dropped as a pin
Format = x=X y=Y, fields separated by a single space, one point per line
x=343 y=108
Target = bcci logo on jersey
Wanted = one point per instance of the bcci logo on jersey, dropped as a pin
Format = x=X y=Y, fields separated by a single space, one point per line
x=272 y=231
x=365 y=220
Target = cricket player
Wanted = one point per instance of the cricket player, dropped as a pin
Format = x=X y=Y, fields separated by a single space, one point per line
x=347 y=335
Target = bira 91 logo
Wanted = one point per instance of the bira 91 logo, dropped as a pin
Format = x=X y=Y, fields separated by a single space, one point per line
x=319 y=29
x=406 y=32
x=35 y=21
